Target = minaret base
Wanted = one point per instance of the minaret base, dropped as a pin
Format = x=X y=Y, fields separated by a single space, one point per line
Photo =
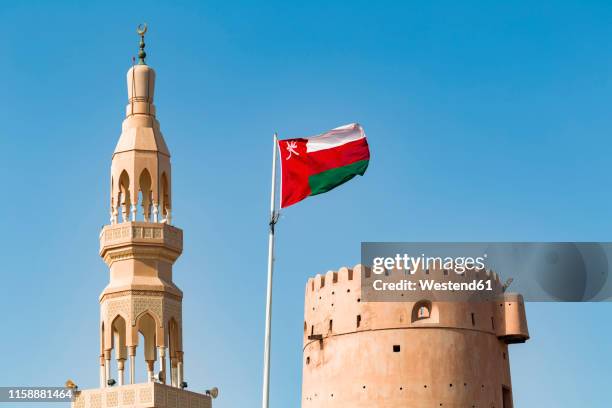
x=146 y=395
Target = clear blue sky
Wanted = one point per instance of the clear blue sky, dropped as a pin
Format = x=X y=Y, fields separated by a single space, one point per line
x=486 y=122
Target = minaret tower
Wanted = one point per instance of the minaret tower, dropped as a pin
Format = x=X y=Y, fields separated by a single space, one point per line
x=140 y=245
x=141 y=307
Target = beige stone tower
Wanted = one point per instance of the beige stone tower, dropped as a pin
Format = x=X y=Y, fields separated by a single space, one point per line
x=421 y=354
x=140 y=308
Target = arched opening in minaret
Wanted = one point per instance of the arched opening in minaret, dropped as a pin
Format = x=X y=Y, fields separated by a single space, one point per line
x=102 y=338
x=119 y=349
x=164 y=196
x=123 y=199
x=102 y=360
x=146 y=352
x=144 y=183
x=174 y=348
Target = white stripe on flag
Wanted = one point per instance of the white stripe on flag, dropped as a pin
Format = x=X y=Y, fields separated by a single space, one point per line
x=335 y=137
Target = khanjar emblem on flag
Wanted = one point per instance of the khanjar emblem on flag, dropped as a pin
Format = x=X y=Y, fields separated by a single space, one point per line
x=315 y=165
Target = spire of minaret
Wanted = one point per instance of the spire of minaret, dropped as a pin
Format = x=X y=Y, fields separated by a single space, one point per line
x=140 y=168
x=141 y=82
x=141 y=30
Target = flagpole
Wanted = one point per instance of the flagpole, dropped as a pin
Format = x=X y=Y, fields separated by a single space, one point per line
x=273 y=220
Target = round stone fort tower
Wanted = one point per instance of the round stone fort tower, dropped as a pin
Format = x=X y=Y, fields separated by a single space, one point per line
x=420 y=354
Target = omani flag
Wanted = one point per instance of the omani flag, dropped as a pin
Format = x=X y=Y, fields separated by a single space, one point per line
x=315 y=165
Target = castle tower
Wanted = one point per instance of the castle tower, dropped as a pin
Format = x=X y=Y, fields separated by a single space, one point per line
x=141 y=307
x=420 y=354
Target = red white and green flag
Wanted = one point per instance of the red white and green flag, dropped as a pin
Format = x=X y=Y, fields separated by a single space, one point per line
x=315 y=165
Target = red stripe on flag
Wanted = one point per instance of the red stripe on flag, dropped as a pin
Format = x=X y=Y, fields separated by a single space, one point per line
x=343 y=155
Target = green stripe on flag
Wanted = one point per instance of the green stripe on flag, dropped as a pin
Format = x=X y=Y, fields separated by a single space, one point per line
x=329 y=179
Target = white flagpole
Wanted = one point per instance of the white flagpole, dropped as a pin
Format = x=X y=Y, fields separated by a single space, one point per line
x=273 y=219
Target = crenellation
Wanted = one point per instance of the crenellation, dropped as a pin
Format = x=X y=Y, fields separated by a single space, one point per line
x=319 y=282
x=339 y=300
x=309 y=286
x=344 y=274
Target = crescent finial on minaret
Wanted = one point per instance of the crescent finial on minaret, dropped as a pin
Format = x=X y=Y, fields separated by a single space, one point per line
x=141 y=30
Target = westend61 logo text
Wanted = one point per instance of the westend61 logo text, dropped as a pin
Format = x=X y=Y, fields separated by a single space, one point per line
x=409 y=263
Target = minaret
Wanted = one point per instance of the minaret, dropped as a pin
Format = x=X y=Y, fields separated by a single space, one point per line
x=140 y=245
x=141 y=307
